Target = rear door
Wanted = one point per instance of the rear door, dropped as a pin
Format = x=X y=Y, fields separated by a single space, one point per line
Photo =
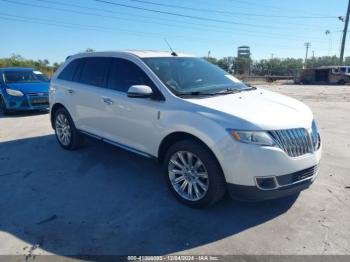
x=88 y=104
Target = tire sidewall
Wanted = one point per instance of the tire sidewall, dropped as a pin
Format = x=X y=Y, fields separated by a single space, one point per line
x=72 y=128
x=212 y=166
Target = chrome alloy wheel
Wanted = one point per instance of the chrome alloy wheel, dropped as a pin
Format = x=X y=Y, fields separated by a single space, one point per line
x=188 y=175
x=63 y=129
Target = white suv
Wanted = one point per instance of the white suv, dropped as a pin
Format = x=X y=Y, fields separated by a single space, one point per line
x=211 y=132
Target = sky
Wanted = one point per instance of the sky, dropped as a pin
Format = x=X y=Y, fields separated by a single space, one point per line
x=55 y=29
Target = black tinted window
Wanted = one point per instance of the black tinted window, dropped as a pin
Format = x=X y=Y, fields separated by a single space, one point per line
x=95 y=71
x=69 y=71
x=124 y=74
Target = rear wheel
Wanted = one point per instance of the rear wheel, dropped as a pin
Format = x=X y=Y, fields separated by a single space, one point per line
x=3 y=106
x=66 y=133
x=193 y=174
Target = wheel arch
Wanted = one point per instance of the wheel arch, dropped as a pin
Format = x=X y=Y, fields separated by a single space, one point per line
x=53 y=111
x=175 y=137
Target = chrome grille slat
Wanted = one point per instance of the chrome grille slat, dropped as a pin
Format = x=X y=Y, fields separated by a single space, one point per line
x=295 y=142
x=303 y=142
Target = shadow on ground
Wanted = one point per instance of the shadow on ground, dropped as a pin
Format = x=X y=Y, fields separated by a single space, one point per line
x=102 y=200
x=17 y=114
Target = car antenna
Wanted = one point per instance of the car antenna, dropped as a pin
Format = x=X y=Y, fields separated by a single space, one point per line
x=173 y=53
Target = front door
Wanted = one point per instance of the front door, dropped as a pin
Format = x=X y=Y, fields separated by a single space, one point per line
x=131 y=122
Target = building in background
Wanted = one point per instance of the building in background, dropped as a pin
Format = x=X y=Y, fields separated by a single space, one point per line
x=243 y=61
x=243 y=52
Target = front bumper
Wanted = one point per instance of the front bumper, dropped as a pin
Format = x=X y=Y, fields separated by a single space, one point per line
x=33 y=101
x=243 y=163
x=286 y=185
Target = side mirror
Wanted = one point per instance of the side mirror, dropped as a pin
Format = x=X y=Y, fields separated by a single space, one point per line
x=140 y=91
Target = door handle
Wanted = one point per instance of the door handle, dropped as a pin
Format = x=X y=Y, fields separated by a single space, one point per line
x=71 y=91
x=108 y=101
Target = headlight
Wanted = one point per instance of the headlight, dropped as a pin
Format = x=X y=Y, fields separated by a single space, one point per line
x=253 y=137
x=12 y=92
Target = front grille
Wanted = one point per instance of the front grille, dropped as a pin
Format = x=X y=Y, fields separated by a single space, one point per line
x=38 y=99
x=296 y=142
x=38 y=94
x=297 y=176
x=24 y=103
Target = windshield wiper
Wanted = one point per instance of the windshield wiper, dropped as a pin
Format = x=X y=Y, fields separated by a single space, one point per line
x=226 y=91
x=195 y=93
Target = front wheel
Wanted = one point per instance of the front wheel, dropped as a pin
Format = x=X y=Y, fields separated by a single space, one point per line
x=66 y=133
x=193 y=174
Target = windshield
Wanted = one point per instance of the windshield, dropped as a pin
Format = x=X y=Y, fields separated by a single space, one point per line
x=23 y=76
x=186 y=75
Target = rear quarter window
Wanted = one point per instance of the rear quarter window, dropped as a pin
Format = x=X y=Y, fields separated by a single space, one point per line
x=69 y=71
x=95 y=71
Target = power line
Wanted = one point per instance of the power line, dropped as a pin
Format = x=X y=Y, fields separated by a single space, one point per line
x=185 y=16
x=229 y=12
x=199 y=26
x=56 y=23
x=277 y=8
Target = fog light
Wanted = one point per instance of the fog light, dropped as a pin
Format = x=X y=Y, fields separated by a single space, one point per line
x=266 y=183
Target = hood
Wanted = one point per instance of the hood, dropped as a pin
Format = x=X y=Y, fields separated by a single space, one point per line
x=37 y=87
x=256 y=110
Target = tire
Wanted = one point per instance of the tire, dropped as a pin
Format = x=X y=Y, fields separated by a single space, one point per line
x=66 y=133
x=3 y=107
x=209 y=174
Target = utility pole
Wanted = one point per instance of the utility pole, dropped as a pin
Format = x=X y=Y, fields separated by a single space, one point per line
x=307 y=45
x=344 y=35
x=208 y=54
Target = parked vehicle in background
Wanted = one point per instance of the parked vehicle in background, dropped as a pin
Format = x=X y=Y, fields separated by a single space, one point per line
x=23 y=89
x=339 y=75
x=211 y=132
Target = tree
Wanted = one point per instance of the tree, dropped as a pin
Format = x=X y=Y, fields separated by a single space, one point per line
x=277 y=66
x=212 y=60
x=242 y=65
x=226 y=63
x=322 y=61
x=16 y=60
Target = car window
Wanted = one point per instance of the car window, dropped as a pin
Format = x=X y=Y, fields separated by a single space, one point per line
x=186 y=75
x=21 y=76
x=94 y=71
x=343 y=69
x=124 y=74
x=69 y=71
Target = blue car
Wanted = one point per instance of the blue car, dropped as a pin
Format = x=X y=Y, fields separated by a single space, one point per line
x=23 y=89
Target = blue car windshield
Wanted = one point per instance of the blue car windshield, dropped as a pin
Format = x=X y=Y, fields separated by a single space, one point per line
x=186 y=75
x=23 y=76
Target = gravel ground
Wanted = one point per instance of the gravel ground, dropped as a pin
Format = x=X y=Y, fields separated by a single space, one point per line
x=103 y=200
